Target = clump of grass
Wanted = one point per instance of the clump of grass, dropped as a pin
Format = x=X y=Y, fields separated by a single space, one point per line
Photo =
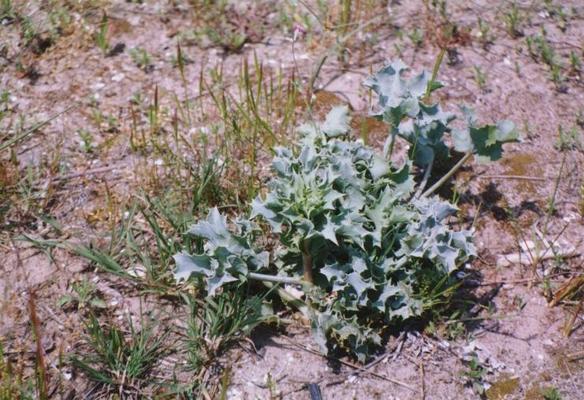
x=551 y=393
x=7 y=12
x=480 y=77
x=512 y=20
x=540 y=49
x=101 y=35
x=142 y=59
x=416 y=36
x=214 y=25
x=86 y=141
x=485 y=37
x=575 y=63
x=147 y=243
x=217 y=323
x=569 y=139
x=12 y=384
x=28 y=30
x=119 y=362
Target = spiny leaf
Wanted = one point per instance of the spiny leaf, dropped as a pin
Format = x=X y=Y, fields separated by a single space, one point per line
x=486 y=142
x=187 y=264
x=336 y=122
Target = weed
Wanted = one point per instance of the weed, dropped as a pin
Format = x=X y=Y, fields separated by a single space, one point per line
x=558 y=13
x=230 y=40
x=179 y=60
x=569 y=139
x=447 y=34
x=345 y=17
x=60 y=21
x=548 y=55
x=216 y=25
x=557 y=77
x=217 y=323
x=512 y=20
x=104 y=122
x=416 y=36
x=117 y=362
x=84 y=296
x=480 y=77
x=86 y=141
x=575 y=63
x=28 y=29
x=12 y=384
x=485 y=37
x=5 y=108
x=475 y=375
x=101 y=35
x=551 y=393
x=41 y=375
x=580 y=118
x=142 y=59
x=272 y=385
x=7 y=12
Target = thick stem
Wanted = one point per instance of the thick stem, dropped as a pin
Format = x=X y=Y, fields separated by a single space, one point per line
x=389 y=150
x=293 y=301
x=275 y=279
x=427 y=174
x=448 y=175
x=307 y=262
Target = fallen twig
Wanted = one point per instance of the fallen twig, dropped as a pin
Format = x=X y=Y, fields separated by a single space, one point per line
x=572 y=286
x=572 y=321
x=507 y=260
x=83 y=173
x=575 y=356
x=516 y=281
x=423 y=384
x=515 y=177
x=34 y=128
x=351 y=365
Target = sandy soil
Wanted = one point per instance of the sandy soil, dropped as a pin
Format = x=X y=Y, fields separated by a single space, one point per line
x=517 y=337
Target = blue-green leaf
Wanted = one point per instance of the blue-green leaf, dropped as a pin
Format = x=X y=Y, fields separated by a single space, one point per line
x=186 y=265
x=336 y=122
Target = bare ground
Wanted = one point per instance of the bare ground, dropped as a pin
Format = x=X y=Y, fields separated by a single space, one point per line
x=517 y=336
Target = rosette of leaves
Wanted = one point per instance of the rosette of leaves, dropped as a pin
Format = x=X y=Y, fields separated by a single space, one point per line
x=343 y=211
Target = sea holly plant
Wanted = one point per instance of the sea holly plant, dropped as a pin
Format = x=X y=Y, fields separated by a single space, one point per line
x=367 y=245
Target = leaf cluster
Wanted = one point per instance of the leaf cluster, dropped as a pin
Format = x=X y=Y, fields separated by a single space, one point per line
x=378 y=252
x=404 y=104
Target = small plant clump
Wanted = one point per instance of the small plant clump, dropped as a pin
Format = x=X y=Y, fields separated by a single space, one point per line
x=370 y=247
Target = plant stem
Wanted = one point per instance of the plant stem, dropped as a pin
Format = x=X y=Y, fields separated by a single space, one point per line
x=288 y=298
x=427 y=174
x=552 y=201
x=275 y=279
x=34 y=128
x=448 y=175
x=307 y=262
x=389 y=151
x=434 y=75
